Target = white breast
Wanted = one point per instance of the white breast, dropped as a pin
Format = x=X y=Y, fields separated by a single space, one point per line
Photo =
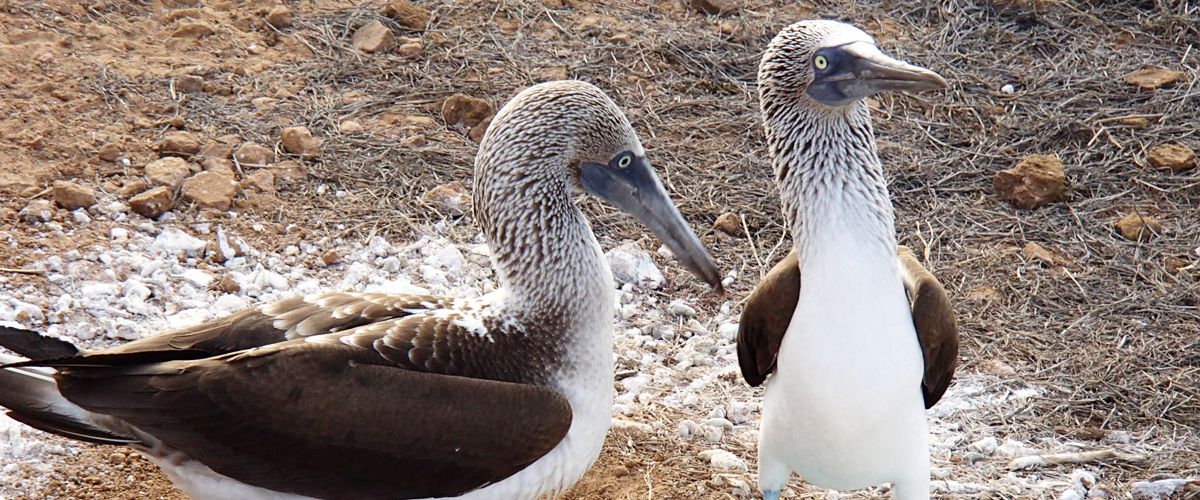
x=844 y=408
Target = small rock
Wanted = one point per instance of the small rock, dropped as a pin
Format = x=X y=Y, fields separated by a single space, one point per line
x=179 y=144
x=1034 y=251
x=477 y=132
x=350 y=127
x=228 y=285
x=71 y=196
x=152 y=203
x=169 y=172
x=173 y=240
x=451 y=197
x=1137 y=227
x=414 y=141
x=217 y=150
x=724 y=461
x=406 y=14
x=1036 y=181
x=1173 y=265
x=985 y=446
x=299 y=141
x=254 y=154
x=210 y=190
x=189 y=83
x=409 y=49
x=280 y=17
x=133 y=186
x=620 y=423
x=1176 y=157
x=1153 y=78
x=714 y=7
x=109 y=152
x=262 y=181
x=467 y=111
x=193 y=30
x=555 y=73
x=679 y=308
x=373 y=37
x=730 y=224
x=37 y=211
x=330 y=257
x=1166 y=489
x=288 y=170
x=219 y=166
x=631 y=263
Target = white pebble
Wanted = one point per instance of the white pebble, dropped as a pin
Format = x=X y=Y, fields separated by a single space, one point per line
x=679 y=308
x=724 y=461
x=687 y=429
x=1007 y=88
x=986 y=446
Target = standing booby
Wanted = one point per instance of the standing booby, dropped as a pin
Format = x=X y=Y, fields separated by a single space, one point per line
x=856 y=362
x=353 y=396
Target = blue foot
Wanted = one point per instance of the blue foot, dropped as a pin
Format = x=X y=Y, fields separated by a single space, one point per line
x=771 y=495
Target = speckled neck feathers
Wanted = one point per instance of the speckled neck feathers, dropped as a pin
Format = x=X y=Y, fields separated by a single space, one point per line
x=542 y=247
x=826 y=165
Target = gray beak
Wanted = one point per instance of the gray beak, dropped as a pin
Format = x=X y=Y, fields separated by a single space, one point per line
x=636 y=190
x=858 y=70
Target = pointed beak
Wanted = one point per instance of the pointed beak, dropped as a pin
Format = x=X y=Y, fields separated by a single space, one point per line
x=636 y=190
x=861 y=70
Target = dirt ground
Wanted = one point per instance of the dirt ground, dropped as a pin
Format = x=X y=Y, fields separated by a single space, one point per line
x=1106 y=328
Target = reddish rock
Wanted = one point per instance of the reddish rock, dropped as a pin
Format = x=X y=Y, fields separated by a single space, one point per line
x=109 y=152
x=410 y=49
x=189 y=83
x=210 y=190
x=219 y=166
x=71 y=196
x=253 y=154
x=350 y=127
x=451 y=197
x=1036 y=181
x=714 y=7
x=152 y=203
x=1153 y=78
x=280 y=17
x=1034 y=251
x=1137 y=227
x=330 y=257
x=414 y=141
x=729 y=223
x=289 y=170
x=406 y=14
x=467 y=111
x=373 y=37
x=37 y=211
x=169 y=172
x=179 y=144
x=133 y=186
x=218 y=150
x=262 y=181
x=228 y=285
x=193 y=30
x=299 y=141
x=1176 y=157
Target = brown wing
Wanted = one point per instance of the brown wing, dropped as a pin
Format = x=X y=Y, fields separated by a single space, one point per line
x=765 y=318
x=385 y=411
x=769 y=310
x=936 y=325
x=276 y=322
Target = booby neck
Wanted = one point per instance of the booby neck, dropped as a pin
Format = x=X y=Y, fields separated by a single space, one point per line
x=542 y=247
x=830 y=178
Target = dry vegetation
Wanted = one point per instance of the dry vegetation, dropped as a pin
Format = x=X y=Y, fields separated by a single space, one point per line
x=1107 y=328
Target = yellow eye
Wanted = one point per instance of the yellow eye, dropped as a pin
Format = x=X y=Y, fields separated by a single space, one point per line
x=820 y=62
x=624 y=162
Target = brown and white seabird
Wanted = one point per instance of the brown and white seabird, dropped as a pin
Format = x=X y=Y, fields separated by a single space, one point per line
x=353 y=396
x=859 y=338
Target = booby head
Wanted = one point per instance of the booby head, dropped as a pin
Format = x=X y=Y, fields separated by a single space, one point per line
x=571 y=134
x=832 y=64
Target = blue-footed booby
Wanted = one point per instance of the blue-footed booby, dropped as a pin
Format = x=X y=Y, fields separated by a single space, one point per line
x=860 y=338
x=355 y=396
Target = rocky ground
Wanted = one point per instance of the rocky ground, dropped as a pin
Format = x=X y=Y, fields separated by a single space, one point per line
x=169 y=162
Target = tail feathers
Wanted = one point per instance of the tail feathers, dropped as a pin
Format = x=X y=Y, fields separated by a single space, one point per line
x=34 y=345
x=31 y=397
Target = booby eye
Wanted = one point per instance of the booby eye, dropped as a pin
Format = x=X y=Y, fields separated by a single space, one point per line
x=624 y=162
x=820 y=62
